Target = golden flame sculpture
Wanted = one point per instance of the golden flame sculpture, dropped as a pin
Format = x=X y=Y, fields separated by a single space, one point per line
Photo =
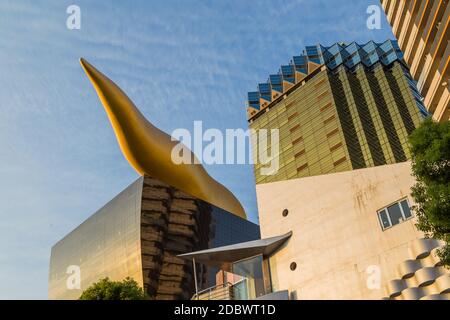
x=149 y=149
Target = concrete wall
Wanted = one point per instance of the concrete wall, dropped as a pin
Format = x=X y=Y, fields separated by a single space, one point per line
x=336 y=232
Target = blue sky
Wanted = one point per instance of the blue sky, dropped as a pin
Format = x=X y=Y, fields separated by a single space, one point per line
x=179 y=61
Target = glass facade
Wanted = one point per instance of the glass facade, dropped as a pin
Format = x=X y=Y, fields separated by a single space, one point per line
x=226 y=229
x=253 y=284
x=355 y=111
x=107 y=244
x=229 y=229
x=139 y=234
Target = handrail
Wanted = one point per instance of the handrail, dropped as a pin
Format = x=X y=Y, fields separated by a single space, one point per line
x=217 y=292
x=224 y=285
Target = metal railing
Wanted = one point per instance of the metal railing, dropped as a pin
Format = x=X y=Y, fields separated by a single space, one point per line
x=223 y=291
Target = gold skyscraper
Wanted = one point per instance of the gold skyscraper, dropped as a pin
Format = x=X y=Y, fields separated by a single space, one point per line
x=338 y=108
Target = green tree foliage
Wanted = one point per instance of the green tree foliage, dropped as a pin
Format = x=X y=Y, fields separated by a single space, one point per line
x=430 y=147
x=105 y=289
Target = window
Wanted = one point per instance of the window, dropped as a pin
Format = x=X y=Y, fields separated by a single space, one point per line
x=394 y=214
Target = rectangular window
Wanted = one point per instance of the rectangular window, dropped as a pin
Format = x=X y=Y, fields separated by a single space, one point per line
x=292 y=116
x=405 y=208
x=294 y=128
x=336 y=146
x=338 y=162
x=394 y=214
x=333 y=132
x=329 y=119
x=325 y=106
x=297 y=140
x=384 y=219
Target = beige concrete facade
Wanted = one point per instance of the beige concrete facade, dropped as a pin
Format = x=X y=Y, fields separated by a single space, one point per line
x=423 y=33
x=337 y=240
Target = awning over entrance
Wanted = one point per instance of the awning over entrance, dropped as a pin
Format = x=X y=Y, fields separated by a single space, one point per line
x=223 y=257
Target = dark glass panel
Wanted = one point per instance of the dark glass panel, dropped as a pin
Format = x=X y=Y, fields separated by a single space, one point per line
x=406 y=209
x=384 y=220
x=395 y=214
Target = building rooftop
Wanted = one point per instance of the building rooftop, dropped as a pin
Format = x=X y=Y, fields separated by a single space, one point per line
x=339 y=54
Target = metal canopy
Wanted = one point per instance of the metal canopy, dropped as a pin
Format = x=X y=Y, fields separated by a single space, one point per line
x=223 y=257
